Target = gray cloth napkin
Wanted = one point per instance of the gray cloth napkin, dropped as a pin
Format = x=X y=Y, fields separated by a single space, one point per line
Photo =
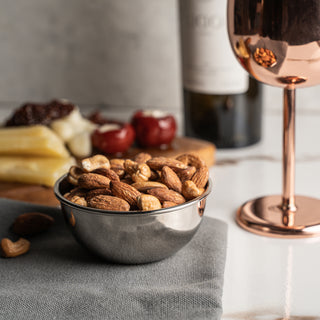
x=58 y=279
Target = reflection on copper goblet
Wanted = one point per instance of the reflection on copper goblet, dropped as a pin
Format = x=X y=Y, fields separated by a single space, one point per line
x=277 y=42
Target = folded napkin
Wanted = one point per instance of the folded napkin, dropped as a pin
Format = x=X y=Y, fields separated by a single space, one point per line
x=58 y=279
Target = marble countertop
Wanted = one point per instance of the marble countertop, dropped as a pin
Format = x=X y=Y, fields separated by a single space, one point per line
x=268 y=278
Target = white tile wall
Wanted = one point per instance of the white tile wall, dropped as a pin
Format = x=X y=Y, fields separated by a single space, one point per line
x=119 y=55
x=116 y=52
x=307 y=99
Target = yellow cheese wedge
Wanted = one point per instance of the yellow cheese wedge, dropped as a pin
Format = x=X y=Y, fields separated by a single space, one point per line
x=33 y=170
x=34 y=140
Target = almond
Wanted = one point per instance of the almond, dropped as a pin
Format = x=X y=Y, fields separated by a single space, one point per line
x=186 y=174
x=201 y=176
x=168 y=204
x=95 y=192
x=170 y=179
x=111 y=203
x=95 y=162
x=31 y=223
x=11 y=249
x=125 y=192
x=167 y=195
x=93 y=181
x=147 y=202
x=157 y=163
x=144 y=186
x=107 y=173
x=191 y=159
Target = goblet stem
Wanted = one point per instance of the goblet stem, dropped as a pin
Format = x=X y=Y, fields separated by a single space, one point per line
x=279 y=216
x=288 y=161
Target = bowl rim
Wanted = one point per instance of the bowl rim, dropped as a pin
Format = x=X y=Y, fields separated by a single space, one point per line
x=89 y=210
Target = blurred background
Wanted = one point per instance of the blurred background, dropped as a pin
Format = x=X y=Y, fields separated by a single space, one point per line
x=118 y=55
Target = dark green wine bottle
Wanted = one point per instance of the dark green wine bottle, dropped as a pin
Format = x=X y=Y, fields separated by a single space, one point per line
x=229 y=120
x=222 y=104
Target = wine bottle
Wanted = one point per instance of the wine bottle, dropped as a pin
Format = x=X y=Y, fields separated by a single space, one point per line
x=221 y=103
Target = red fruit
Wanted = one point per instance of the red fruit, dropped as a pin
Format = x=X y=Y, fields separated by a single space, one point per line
x=114 y=139
x=153 y=128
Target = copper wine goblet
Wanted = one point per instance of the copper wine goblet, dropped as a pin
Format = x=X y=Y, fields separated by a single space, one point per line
x=278 y=43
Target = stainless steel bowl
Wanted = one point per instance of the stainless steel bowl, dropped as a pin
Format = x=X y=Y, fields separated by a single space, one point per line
x=132 y=237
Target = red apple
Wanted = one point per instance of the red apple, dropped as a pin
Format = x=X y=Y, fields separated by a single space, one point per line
x=113 y=137
x=154 y=128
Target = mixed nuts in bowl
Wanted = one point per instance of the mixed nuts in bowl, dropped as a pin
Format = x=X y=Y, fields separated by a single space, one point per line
x=134 y=211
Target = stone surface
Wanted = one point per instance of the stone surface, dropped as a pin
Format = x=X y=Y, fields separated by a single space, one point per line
x=268 y=278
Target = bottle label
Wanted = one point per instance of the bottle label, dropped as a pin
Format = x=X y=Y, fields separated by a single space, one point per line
x=209 y=65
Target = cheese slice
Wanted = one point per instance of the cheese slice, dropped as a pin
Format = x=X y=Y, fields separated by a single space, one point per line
x=33 y=170
x=37 y=140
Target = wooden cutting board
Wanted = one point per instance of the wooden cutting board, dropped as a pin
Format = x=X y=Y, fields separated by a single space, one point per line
x=45 y=196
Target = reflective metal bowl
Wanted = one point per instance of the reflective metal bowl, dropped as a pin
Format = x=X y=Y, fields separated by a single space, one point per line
x=132 y=237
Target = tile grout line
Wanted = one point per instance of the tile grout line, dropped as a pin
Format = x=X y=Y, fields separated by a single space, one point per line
x=235 y=161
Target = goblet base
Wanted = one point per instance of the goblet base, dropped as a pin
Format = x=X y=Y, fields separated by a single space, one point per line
x=265 y=216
